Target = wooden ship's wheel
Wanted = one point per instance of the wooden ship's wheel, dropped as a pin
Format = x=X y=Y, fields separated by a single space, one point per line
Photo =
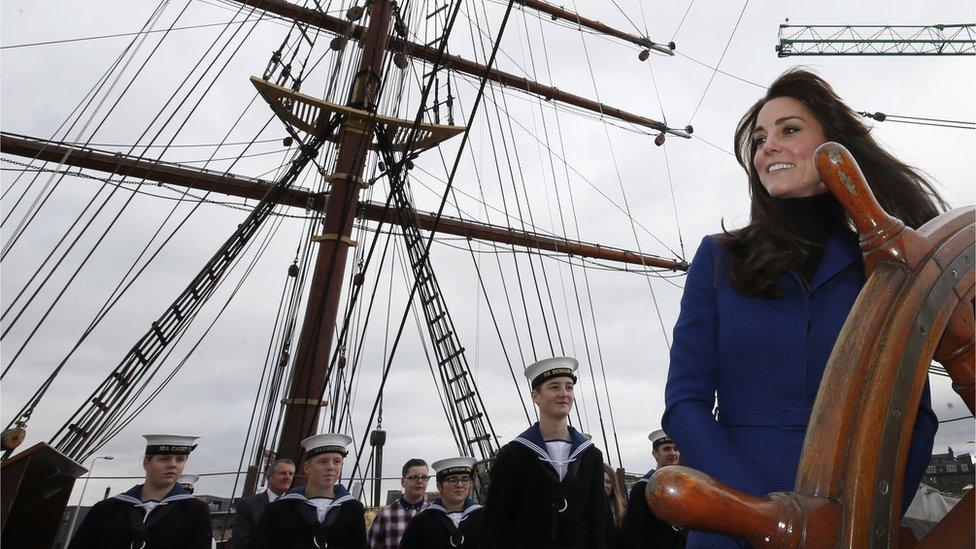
x=917 y=305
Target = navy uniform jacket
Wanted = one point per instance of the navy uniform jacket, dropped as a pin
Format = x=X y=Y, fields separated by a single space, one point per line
x=246 y=517
x=527 y=505
x=433 y=529
x=641 y=528
x=180 y=521
x=765 y=359
x=290 y=522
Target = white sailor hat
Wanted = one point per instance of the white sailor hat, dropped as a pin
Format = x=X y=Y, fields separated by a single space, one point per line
x=178 y=445
x=328 y=442
x=658 y=438
x=187 y=482
x=544 y=370
x=453 y=466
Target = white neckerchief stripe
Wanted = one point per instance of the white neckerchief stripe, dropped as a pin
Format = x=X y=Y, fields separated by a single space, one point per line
x=532 y=446
x=300 y=497
x=464 y=514
x=580 y=449
x=544 y=455
x=137 y=502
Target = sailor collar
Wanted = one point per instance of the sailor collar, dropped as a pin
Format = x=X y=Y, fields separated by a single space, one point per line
x=469 y=507
x=132 y=497
x=532 y=439
x=341 y=496
x=646 y=477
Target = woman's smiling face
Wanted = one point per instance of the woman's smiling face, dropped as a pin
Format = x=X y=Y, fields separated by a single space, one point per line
x=786 y=135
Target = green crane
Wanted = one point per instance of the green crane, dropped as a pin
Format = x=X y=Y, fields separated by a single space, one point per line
x=876 y=40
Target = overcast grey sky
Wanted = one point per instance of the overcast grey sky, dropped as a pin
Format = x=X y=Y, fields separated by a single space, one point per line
x=675 y=195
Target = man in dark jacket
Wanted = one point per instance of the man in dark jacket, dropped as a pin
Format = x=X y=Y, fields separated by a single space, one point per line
x=249 y=509
x=641 y=528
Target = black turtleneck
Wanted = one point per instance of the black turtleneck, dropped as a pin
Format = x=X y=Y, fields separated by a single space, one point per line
x=816 y=216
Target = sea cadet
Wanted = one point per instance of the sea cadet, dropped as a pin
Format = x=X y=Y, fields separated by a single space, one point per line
x=546 y=488
x=641 y=527
x=154 y=515
x=453 y=520
x=320 y=514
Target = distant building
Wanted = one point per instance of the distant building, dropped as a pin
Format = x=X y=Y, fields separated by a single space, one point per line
x=216 y=504
x=221 y=515
x=949 y=473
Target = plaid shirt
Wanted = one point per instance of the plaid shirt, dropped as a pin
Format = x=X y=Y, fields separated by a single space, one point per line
x=389 y=524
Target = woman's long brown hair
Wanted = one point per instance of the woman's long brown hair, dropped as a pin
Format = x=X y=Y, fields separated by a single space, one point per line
x=772 y=243
x=617 y=499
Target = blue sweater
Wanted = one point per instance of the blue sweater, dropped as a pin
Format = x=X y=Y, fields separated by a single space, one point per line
x=764 y=358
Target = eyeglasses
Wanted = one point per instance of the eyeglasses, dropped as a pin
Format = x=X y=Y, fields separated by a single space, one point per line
x=458 y=481
x=418 y=478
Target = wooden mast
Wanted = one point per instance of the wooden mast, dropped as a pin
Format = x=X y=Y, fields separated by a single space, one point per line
x=251 y=188
x=558 y=12
x=455 y=63
x=304 y=401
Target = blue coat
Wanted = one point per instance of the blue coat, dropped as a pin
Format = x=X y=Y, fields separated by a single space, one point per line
x=764 y=358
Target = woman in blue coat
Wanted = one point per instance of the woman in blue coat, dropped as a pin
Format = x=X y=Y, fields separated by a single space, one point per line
x=763 y=305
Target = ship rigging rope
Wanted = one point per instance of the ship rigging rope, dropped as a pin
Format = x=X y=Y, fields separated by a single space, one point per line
x=484 y=291
x=518 y=274
x=476 y=28
x=120 y=35
x=498 y=249
x=664 y=145
x=104 y=203
x=271 y=365
x=683 y=17
x=30 y=216
x=478 y=178
x=503 y=107
x=90 y=94
x=510 y=118
x=122 y=416
x=350 y=324
x=84 y=104
x=724 y=51
x=175 y=145
x=650 y=286
x=464 y=139
x=586 y=276
x=356 y=289
x=113 y=299
x=270 y=374
x=494 y=318
x=528 y=209
x=111 y=420
x=228 y=134
x=482 y=201
x=410 y=140
x=311 y=349
x=623 y=192
x=285 y=344
x=35 y=208
x=537 y=103
x=128 y=201
x=582 y=177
